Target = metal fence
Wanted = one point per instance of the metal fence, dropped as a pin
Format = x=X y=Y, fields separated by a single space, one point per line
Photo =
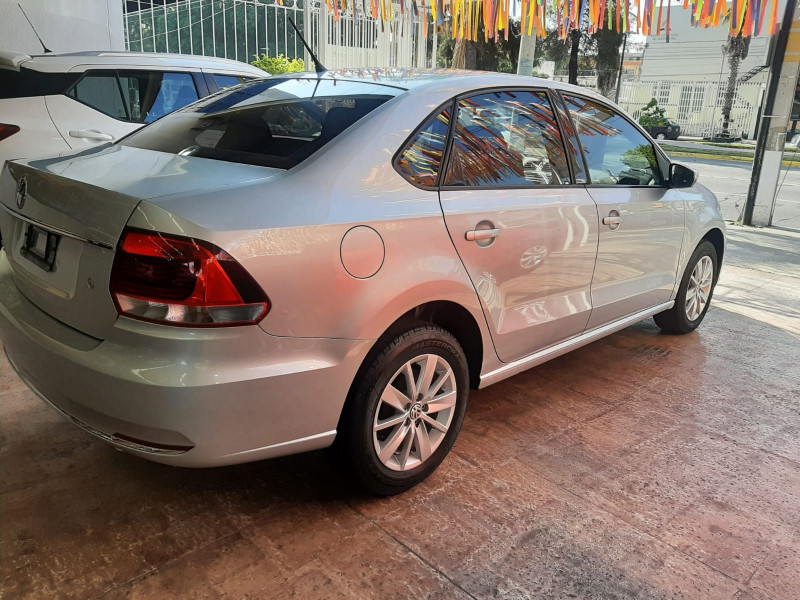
x=696 y=105
x=244 y=29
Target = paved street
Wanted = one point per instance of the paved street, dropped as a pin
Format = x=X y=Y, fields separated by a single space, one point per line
x=730 y=180
x=641 y=466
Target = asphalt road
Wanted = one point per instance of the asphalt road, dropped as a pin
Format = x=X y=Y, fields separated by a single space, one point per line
x=730 y=180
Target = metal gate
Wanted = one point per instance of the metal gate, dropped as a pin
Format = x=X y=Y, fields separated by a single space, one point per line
x=244 y=29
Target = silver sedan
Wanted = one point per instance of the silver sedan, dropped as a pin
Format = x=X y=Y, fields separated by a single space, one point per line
x=337 y=258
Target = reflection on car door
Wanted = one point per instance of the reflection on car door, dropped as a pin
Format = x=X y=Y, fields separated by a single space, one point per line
x=526 y=235
x=641 y=219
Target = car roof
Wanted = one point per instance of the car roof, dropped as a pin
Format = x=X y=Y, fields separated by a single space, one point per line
x=450 y=81
x=63 y=62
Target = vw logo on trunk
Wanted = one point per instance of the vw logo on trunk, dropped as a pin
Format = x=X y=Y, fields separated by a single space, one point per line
x=22 y=192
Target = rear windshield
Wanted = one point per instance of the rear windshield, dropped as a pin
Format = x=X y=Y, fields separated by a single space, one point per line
x=273 y=122
x=26 y=83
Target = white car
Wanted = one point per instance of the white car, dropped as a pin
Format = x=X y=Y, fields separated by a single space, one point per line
x=57 y=103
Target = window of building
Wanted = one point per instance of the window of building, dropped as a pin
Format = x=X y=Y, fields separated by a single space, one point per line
x=616 y=152
x=507 y=138
x=661 y=92
x=421 y=160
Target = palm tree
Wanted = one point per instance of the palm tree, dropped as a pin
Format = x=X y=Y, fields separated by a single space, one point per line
x=736 y=49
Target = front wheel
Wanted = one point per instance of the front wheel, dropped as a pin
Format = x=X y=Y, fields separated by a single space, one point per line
x=694 y=293
x=661 y=136
x=406 y=410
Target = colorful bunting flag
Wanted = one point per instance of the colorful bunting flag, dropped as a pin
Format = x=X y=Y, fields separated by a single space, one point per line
x=466 y=19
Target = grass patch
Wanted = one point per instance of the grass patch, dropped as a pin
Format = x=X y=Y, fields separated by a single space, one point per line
x=678 y=152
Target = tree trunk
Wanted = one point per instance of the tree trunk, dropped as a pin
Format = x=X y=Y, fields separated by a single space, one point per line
x=575 y=39
x=465 y=55
x=460 y=55
x=736 y=49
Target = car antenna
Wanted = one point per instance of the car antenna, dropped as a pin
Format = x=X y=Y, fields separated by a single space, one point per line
x=36 y=33
x=318 y=67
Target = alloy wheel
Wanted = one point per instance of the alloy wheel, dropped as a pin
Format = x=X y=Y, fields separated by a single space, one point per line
x=699 y=288
x=414 y=412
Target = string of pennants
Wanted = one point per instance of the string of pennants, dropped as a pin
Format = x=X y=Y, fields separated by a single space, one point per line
x=461 y=19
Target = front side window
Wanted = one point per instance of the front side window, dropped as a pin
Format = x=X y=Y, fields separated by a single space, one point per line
x=616 y=152
x=151 y=95
x=101 y=91
x=421 y=160
x=272 y=122
x=508 y=138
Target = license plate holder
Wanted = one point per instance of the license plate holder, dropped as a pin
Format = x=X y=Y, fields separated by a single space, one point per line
x=40 y=247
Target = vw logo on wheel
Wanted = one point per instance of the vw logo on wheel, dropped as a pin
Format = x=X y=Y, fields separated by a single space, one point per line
x=22 y=192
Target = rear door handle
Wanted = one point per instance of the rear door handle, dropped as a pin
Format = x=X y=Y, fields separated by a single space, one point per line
x=476 y=235
x=612 y=220
x=91 y=134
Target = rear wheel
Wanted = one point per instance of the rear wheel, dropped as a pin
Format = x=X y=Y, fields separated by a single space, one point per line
x=406 y=410
x=661 y=136
x=694 y=293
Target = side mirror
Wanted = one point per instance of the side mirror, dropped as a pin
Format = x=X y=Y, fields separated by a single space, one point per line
x=681 y=176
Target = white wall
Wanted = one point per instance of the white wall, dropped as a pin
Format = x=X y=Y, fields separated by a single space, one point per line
x=64 y=25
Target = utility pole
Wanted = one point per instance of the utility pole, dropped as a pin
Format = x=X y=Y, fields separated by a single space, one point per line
x=768 y=159
x=621 y=62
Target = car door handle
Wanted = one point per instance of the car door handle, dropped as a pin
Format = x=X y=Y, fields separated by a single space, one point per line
x=91 y=134
x=612 y=220
x=475 y=235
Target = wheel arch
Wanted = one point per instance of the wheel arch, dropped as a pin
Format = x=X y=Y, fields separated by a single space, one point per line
x=450 y=316
x=717 y=239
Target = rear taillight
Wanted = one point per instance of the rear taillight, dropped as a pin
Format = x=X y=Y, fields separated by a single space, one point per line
x=7 y=130
x=183 y=281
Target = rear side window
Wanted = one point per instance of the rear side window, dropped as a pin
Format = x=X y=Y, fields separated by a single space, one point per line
x=272 y=122
x=507 y=138
x=135 y=96
x=101 y=92
x=616 y=152
x=421 y=160
x=226 y=81
x=26 y=83
x=151 y=95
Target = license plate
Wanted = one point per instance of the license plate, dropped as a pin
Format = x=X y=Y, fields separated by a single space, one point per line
x=40 y=246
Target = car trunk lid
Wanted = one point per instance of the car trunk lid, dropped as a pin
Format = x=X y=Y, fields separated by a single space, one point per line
x=61 y=220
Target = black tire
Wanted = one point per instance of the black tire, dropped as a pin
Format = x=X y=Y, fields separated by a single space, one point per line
x=675 y=320
x=661 y=136
x=355 y=442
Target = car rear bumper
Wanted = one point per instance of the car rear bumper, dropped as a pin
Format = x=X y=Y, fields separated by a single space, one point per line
x=187 y=397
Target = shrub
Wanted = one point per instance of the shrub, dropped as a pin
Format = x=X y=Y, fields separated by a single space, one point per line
x=279 y=65
x=653 y=115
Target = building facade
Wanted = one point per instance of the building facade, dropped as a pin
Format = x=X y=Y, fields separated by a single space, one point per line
x=63 y=26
